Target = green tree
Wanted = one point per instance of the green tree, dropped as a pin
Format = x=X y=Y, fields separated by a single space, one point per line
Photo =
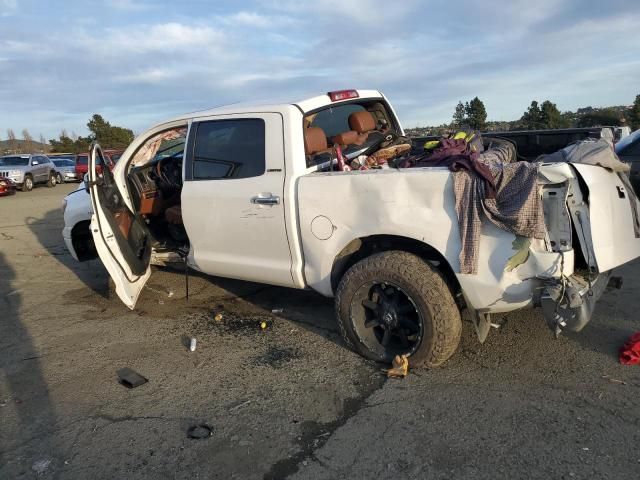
x=459 y=115
x=599 y=117
x=551 y=117
x=107 y=135
x=532 y=118
x=634 y=114
x=476 y=114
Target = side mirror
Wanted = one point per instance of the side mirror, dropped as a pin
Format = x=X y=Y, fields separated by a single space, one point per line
x=34 y=162
x=86 y=182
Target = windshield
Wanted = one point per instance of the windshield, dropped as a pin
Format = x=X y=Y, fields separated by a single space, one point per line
x=63 y=163
x=626 y=141
x=115 y=157
x=14 y=161
x=81 y=160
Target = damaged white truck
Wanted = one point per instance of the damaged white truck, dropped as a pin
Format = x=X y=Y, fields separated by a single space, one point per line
x=312 y=194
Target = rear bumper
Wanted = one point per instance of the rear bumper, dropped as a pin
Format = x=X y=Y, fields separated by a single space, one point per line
x=570 y=306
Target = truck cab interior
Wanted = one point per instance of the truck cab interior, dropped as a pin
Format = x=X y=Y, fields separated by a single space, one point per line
x=357 y=128
x=155 y=183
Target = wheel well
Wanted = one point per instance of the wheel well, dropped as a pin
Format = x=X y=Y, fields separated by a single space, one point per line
x=82 y=240
x=364 y=247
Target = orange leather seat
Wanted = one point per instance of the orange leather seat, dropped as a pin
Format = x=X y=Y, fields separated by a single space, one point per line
x=361 y=124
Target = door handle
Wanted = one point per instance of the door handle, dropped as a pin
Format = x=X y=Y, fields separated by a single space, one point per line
x=264 y=200
x=620 y=192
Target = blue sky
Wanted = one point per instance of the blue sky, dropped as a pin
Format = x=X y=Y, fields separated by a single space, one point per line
x=138 y=62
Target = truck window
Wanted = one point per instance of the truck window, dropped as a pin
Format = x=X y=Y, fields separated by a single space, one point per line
x=335 y=120
x=229 y=149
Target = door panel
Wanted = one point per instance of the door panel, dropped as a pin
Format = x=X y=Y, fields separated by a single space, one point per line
x=236 y=226
x=121 y=238
x=613 y=224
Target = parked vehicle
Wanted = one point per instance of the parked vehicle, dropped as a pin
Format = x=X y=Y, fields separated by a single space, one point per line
x=81 y=161
x=27 y=170
x=7 y=187
x=251 y=199
x=65 y=168
x=628 y=149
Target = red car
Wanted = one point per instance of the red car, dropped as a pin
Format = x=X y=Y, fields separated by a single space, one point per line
x=82 y=161
x=7 y=187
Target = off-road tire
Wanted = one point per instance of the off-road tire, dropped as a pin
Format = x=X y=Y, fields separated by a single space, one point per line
x=432 y=298
x=27 y=183
x=52 y=180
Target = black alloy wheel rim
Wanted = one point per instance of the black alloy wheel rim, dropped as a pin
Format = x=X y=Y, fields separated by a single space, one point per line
x=386 y=320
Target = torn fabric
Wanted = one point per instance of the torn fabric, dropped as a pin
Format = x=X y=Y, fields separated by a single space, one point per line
x=517 y=207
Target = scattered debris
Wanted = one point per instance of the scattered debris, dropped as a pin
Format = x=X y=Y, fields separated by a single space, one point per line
x=218 y=317
x=130 y=378
x=192 y=344
x=277 y=310
x=170 y=293
x=263 y=325
x=198 y=432
x=41 y=466
x=614 y=380
x=238 y=406
x=630 y=352
x=399 y=367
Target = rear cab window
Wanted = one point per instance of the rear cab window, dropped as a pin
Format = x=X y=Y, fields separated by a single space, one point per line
x=333 y=124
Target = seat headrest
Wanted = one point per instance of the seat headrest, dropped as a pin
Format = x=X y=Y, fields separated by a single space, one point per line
x=362 y=121
x=346 y=138
x=314 y=140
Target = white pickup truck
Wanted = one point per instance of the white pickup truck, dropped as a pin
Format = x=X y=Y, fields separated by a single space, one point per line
x=244 y=192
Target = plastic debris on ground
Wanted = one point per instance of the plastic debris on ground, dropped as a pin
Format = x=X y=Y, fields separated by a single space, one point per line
x=192 y=344
x=198 y=432
x=399 y=367
x=130 y=378
x=41 y=466
x=630 y=352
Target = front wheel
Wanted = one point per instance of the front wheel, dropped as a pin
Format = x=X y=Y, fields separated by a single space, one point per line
x=395 y=303
x=27 y=184
x=52 y=180
x=59 y=178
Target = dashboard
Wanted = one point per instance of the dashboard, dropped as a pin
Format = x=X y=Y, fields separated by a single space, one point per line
x=156 y=183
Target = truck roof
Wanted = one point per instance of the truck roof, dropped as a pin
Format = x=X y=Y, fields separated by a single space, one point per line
x=305 y=105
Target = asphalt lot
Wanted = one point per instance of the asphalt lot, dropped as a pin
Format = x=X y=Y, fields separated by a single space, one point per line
x=289 y=400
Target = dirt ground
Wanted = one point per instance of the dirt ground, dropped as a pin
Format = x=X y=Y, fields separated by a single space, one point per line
x=287 y=401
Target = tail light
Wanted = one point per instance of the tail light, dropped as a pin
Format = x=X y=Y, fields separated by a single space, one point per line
x=342 y=95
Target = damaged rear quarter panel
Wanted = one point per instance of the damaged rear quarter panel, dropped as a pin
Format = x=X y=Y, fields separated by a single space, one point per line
x=416 y=204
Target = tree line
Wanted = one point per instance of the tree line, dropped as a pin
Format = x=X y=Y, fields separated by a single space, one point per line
x=541 y=116
x=100 y=130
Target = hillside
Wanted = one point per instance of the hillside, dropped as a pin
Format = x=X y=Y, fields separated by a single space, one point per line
x=22 y=146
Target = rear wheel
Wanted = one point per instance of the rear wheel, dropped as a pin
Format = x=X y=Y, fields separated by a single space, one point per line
x=52 y=180
x=395 y=303
x=27 y=184
x=59 y=178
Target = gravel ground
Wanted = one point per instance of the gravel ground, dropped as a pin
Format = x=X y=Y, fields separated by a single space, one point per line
x=288 y=400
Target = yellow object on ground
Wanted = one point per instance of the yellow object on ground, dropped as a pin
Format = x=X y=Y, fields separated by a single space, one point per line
x=399 y=367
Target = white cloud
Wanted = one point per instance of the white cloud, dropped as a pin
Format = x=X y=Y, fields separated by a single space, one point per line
x=8 y=7
x=255 y=20
x=165 y=38
x=127 y=5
